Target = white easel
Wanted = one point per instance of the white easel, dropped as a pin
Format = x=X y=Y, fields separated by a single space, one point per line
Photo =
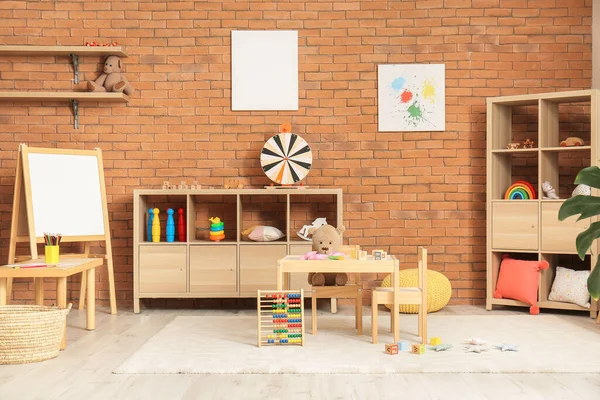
x=60 y=191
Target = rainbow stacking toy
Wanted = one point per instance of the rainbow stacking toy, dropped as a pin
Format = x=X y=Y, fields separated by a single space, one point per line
x=216 y=229
x=520 y=190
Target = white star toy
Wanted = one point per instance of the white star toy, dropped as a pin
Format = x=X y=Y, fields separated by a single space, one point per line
x=475 y=341
x=507 y=347
x=475 y=349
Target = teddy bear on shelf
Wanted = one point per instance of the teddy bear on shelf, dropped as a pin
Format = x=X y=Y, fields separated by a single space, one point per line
x=111 y=80
x=326 y=240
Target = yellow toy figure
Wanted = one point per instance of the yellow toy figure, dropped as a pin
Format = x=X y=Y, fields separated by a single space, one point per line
x=156 y=226
x=216 y=229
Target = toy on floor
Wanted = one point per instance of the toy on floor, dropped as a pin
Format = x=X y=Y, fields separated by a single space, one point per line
x=216 y=229
x=155 y=226
x=582 y=190
x=304 y=231
x=111 y=79
x=150 y=219
x=520 y=190
x=528 y=144
x=181 y=231
x=170 y=226
x=403 y=346
x=280 y=317
x=391 y=349
x=507 y=347
x=326 y=240
x=475 y=341
x=441 y=347
x=475 y=349
x=549 y=192
x=571 y=141
x=418 y=349
x=434 y=341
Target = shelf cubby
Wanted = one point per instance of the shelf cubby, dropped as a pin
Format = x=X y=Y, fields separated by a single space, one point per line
x=268 y=209
x=304 y=209
x=570 y=261
x=205 y=206
x=531 y=229
x=162 y=202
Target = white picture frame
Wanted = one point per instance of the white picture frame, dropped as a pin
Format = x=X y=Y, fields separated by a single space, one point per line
x=411 y=97
x=264 y=70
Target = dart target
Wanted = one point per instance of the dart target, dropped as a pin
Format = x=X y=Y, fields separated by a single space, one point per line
x=286 y=158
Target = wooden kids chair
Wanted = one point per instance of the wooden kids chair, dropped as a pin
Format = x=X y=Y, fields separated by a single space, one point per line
x=408 y=295
x=348 y=291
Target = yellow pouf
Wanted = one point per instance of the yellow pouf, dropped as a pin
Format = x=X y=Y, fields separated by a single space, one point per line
x=439 y=290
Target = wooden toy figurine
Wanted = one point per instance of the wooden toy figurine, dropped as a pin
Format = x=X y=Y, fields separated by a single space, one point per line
x=418 y=348
x=434 y=341
x=156 y=226
x=170 y=226
x=181 y=226
x=403 y=346
x=150 y=218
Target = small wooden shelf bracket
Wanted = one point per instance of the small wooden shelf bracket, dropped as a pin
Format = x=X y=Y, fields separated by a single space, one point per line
x=75 y=60
x=75 y=104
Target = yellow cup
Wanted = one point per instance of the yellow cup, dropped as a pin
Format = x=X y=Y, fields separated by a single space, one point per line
x=52 y=254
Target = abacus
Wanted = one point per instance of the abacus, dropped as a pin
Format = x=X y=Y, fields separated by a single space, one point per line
x=280 y=317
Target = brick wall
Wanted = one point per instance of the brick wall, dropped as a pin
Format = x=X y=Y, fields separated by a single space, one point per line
x=401 y=189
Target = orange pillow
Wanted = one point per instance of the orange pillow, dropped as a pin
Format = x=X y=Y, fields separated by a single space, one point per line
x=518 y=280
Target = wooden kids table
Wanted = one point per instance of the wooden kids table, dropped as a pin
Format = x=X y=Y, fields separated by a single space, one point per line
x=64 y=269
x=389 y=265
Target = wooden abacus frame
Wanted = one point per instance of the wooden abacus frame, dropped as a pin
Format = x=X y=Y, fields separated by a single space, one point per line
x=266 y=323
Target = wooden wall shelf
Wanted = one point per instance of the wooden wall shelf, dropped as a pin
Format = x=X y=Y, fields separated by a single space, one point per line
x=62 y=51
x=73 y=97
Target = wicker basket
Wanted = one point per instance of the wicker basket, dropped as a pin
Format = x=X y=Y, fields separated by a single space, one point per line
x=30 y=333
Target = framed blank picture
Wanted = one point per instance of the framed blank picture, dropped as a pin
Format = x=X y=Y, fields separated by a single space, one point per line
x=264 y=70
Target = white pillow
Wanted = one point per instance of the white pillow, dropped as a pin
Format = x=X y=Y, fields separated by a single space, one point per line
x=570 y=286
x=265 y=234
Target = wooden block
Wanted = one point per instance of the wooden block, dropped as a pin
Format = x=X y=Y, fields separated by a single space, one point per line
x=403 y=346
x=434 y=341
x=391 y=349
x=418 y=348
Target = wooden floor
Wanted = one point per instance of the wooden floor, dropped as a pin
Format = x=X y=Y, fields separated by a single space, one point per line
x=83 y=371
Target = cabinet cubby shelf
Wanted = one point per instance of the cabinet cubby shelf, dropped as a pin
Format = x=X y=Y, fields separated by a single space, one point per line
x=531 y=228
x=26 y=50
x=200 y=268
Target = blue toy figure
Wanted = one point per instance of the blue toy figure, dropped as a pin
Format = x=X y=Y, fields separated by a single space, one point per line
x=170 y=226
x=150 y=218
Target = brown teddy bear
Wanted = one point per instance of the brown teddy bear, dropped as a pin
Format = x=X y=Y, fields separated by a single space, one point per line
x=111 y=80
x=326 y=240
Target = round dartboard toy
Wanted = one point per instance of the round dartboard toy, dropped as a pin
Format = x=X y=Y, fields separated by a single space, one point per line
x=286 y=158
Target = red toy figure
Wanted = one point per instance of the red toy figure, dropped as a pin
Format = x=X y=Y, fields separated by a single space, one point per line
x=181 y=225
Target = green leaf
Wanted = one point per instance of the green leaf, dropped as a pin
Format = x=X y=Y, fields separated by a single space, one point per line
x=587 y=206
x=593 y=282
x=589 y=176
x=586 y=238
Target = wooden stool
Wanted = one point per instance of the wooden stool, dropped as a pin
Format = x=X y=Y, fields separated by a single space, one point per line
x=341 y=292
x=407 y=295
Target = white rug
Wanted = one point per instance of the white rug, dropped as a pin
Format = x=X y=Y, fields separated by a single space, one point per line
x=227 y=344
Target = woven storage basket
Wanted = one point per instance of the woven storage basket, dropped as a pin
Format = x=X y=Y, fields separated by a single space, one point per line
x=30 y=333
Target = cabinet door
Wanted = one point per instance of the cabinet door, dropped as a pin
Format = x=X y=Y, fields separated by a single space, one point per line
x=559 y=236
x=258 y=267
x=299 y=280
x=515 y=225
x=213 y=270
x=163 y=269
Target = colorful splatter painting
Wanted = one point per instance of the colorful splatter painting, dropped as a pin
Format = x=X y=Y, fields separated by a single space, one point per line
x=411 y=97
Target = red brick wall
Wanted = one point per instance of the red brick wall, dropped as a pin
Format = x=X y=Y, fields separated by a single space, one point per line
x=401 y=189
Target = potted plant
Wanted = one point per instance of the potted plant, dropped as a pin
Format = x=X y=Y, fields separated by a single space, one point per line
x=586 y=207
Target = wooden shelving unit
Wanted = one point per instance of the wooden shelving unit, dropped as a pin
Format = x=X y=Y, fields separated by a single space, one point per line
x=530 y=229
x=234 y=267
x=62 y=96
x=26 y=50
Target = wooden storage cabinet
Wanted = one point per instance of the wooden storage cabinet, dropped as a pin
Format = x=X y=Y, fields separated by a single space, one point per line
x=199 y=268
x=213 y=270
x=530 y=229
x=258 y=267
x=165 y=269
x=515 y=225
x=559 y=236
